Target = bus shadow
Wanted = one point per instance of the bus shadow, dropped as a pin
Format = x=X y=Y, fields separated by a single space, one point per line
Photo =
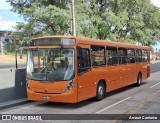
x=85 y=102
x=67 y=105
x=123 y=89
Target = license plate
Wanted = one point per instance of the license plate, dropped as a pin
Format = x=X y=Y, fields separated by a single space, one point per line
x=47 y=97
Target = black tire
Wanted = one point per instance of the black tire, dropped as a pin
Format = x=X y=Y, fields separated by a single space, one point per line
x=139 y=80
x=100 y=91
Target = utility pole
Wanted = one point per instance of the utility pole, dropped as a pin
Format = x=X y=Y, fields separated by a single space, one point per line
x=15 y=44
x=73 y=25
x=1 y=45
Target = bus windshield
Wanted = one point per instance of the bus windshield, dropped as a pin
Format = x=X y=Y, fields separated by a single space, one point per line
x=50 y=64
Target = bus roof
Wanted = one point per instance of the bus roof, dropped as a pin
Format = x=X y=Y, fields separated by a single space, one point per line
x=57 y=36
x=86 y=40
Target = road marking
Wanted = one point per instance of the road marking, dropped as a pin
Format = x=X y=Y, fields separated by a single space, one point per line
x=154 y=85
x=156 y=92
x=112 y=105
x=135 y=107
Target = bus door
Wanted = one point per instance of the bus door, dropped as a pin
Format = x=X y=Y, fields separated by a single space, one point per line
x=86 y=87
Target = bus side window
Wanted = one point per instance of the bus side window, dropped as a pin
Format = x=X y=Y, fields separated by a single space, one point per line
x=139 y=55
x=122 y=54
x=111 y=56
x=144 y=56
x=83 y=60
x=98 y=56
x=131 y=56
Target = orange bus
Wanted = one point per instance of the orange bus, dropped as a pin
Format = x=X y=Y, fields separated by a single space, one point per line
x=71 y=69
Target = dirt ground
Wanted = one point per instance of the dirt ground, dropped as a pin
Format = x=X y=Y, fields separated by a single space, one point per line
x=10 y=59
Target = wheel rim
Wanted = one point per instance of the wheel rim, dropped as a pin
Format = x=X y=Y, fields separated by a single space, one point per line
x=100 y=91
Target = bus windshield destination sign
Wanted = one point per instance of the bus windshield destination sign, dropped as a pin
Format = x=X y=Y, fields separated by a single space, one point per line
x=52 y=42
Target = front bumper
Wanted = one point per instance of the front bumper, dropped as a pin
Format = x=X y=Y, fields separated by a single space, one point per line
x=68 y=97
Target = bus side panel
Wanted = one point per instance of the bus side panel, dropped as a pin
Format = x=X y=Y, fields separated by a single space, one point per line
x=145 y=67
x=133 y=72
x=111 y=77
x=123 y=75
x=142 y=67
x=87 y=82
x=86 y=85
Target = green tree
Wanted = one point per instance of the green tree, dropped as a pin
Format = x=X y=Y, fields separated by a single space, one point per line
x=45 y=17
x=118 y=20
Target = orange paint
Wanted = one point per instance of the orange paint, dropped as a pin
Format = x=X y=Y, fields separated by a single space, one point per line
x=85 y=84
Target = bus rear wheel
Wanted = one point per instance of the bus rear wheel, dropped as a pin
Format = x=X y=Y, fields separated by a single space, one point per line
x=139 y=80
x=100 y=91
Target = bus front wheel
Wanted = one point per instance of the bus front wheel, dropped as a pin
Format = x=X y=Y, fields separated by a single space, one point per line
x=100 y=91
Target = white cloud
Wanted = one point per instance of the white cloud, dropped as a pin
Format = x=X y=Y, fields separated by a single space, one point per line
x=156 y=2
x=7 y=25
x=1 y=17
x=4 y=5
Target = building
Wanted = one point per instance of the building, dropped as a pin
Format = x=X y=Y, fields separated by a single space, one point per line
x=4 y=39
x=154 y=56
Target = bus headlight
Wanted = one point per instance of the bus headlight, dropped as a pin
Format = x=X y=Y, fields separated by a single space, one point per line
x=70 y=86
x=27 y=85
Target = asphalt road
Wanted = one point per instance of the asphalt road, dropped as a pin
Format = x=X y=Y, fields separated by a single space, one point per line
x=128 y=100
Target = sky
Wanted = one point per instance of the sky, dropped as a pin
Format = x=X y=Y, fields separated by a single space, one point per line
x=8 y=18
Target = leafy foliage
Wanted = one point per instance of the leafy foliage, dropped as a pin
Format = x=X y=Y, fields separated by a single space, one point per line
x=118 y=20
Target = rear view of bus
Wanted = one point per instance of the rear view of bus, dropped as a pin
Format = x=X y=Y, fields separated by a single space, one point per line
x=51 y=69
